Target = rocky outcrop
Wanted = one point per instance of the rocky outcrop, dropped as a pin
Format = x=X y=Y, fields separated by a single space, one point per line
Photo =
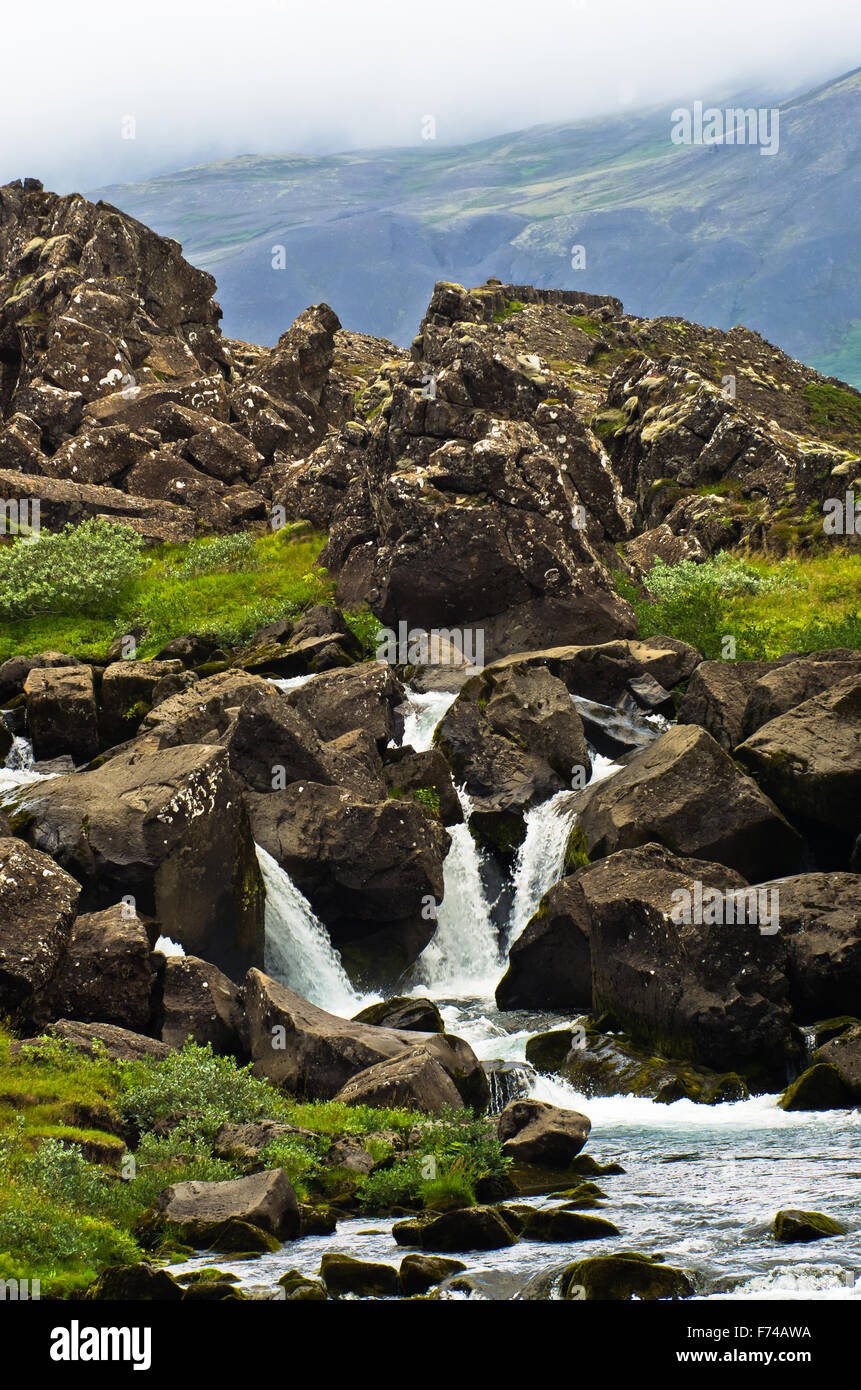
x=265 y=1200
x=415 y=1080
x=198 y=1001
x=314 y=1053
x=512 y=738
x=164 y=828
x=106 y=974
x=61 y=712
x=686 y=793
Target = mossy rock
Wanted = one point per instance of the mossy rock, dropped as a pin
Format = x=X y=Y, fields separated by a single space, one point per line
x=472 y=1228
x=230 y=1237
x=576 y=851
x=418 y=1273
x=830 y=1028
x=301 y=1288
x=556 y=1224
x=589 y=1167
x=820 y=1087
x=581 y=1192
x=618 y=1278
x=317 y=1221
x=215 y=1292
x=133 y=1283
x=547 y=1051
x=794 y=1227
x=208 y=1276
x=342 y=1274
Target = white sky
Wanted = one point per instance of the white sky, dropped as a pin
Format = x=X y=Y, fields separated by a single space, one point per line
x=210 y=79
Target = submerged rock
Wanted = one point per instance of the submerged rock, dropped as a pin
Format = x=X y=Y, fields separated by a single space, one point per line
x=624 y=1276
x=792 y=1226
x=470 y=1228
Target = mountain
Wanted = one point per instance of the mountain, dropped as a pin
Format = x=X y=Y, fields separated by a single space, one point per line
x=718 y=234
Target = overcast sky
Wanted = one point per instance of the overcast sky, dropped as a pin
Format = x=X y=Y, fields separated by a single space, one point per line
x=208 y=79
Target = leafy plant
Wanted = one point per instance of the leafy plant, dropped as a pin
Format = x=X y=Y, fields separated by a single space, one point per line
x=72 y=571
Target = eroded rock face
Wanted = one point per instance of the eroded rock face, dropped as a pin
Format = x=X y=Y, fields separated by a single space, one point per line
x=684 y=792
x=106 y=974
x=198 y=1001
x=166 y=828
x=61 y=712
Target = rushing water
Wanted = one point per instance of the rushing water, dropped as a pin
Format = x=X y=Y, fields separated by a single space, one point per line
x=298 y=950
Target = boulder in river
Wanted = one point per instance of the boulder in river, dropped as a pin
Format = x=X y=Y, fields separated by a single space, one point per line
x=686 y=793
x=540 y=1134
x=794 y=1227
x=61 y=712
x=468 y=1228
x=265 y=1200
x=342 y=1274
x=626 y=1275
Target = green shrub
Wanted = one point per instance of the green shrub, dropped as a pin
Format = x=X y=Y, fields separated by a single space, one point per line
x=211 y=1089
x=72 y=571
x=224 y=553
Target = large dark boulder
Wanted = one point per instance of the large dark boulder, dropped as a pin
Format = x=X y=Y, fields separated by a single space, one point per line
x=106 y=974
x=471 y=1228
x=809 y=761
x=313 y=1053
x=166 y=828
x=414 y=1080
x=38 y=902
x=61 y=712
x=127 y=692
x=371 y=870
x=366 y=696
x=542 y=1135
x=820 y=923
x=265 y=1200
x=198 y=1001
x=686 y=793
x=513 y=738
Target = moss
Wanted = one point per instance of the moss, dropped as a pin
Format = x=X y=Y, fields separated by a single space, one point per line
x=618 y=1278
x=427 y=797
x=576 y=850
x=820 y=1087
x=509 y=309
x=794 y=1227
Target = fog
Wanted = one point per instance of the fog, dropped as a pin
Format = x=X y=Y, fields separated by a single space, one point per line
x=96 y=94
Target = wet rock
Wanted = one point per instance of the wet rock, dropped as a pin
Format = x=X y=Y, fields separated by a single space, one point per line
x=410 y=1015
x=414 y=1080
x=311 y=1052
x=844 y=1053
x=536 y=1133
x=601 y=671
x=550 y=963
x=820 y=1087
x=619 y=1278
x=820 y=922
x=792 y=1227
x=61 y=712
x=424 y=776
x=513 y=738
x=599 y=1065
x=418 y=1273
x=686 y=793
x=555 y=1224
x=344 y=1275
x=299 y=1288
x=369 y=870
x=366 y=696
x=470 y=1228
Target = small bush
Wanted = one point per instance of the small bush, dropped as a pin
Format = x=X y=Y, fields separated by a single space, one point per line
x=222 y=553
x=72 y=571
x=210 y=1089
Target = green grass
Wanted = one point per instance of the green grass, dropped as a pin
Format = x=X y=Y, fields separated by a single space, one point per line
x=200 y=587
x=835 y=410
x=769 y=608
x=510 y=308
x=63 y=1218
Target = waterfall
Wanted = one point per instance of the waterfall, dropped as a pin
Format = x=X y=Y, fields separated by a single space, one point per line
x=17 y=770
x=541 y=857
x=463 y=957
x=422 y=714
x=298 y=952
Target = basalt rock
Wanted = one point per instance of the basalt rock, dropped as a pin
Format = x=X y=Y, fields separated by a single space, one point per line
x=198 y=1001
x=61 y=712
x=38 y=902
x=166 y=828
x=106 y=974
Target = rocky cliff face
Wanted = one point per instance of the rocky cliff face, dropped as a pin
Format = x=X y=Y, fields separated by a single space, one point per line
x=532 y=442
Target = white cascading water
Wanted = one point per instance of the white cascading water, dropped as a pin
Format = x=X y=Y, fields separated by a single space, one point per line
x=423 y=713
x=541 y=857
x=463 y=958
x=298 y=951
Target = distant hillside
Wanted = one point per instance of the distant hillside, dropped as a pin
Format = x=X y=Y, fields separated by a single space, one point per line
x=720 y=234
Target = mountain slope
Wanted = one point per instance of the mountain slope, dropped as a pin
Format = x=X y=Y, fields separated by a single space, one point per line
x=718 y=234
